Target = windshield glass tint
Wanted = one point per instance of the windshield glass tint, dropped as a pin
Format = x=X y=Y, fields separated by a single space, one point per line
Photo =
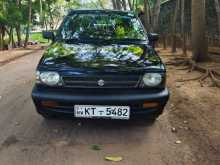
x=101 y=26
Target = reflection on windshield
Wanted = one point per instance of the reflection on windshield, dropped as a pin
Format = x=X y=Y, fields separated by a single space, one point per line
x=90 y=55
x=101 y=26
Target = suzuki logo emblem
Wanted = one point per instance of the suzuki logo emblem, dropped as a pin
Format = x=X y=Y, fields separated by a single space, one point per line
x=101 y=83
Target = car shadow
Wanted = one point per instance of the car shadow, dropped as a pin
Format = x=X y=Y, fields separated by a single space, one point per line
x=88 y=132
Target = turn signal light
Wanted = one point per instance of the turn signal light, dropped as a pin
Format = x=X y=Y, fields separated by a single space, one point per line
x=51 y=104
x=150 y=104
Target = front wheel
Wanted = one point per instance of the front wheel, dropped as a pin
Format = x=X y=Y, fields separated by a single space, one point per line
x=48 y=116
x=151 y=119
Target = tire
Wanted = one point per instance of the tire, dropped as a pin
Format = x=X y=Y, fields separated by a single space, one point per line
x=48 y=116
x=151 y=119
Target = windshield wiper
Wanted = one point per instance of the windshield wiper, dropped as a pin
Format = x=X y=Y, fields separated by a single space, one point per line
x=102 y=40
x=124 y=40
x=72 y=40
x=131 y=39
x=82 y=39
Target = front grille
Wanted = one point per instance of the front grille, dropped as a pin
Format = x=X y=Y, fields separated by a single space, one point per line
x=110 y=81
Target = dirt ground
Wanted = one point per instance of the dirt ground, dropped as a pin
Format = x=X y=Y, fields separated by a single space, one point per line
x=9 y=55
x=26 y=138
x=194 y=111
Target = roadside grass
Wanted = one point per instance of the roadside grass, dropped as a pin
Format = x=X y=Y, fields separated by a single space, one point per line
x=37 y=36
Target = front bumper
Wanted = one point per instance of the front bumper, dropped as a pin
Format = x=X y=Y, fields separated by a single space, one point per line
x=67 y=98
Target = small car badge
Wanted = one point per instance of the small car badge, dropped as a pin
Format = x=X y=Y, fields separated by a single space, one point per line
x=101 y=83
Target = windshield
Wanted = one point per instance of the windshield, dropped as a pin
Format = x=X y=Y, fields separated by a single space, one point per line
x=101 y=26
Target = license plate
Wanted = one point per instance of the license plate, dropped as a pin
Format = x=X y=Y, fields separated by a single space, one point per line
x=97 y=111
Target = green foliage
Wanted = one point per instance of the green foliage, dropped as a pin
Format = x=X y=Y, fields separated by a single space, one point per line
x=57 y=50
x=2 y=18
x=136 y=50
x=140 y=4
x=120 y=32
x=38 y=37
x=11 y=14
x=14 y=16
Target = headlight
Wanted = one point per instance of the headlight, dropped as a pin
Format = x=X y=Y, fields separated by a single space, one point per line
x=37 y=75
x=50 y=78
x=152 y=79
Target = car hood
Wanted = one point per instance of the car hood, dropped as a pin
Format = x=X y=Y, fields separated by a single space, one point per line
x=105 y=56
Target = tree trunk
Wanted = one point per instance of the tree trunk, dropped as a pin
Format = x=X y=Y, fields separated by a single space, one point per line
x=3 y=29
x=1 y=42
x=18 y=31
x=174 y=26
x=114 y=4
x=51 y=23
x=124 y=4
x=11 y=42
x=118 y=4
x=41 y=14
x=217 y=7
x=156 y=13
x=146 y=21
x=136 y=5
x=130 y=5
x=1 y=38
x=183 y=27
x=133 y=5
x=18 y=26
x=29 y=22
x=101 y=4
x=164 y=42
x=149 y=15
x=199 y=40
x=12 y=39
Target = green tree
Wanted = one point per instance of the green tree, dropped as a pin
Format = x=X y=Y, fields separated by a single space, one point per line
x=11 y=18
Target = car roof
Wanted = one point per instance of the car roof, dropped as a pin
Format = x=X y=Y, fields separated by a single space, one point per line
x=106 y=11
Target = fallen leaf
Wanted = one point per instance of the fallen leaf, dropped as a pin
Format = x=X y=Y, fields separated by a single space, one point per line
x=178 y=142
x=61 y=143
x=185 y=122
x=95 y=147
x=24 y=150
x=17 y=123
x=181 y=127
x=173 y=129
x=114 y=158
x=178 y=85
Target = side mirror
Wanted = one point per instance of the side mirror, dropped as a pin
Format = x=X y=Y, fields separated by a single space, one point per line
x=153 y=38
x=141 y=13
x=48 y=35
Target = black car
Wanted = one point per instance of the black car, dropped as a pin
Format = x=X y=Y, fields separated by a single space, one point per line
x=101 y=64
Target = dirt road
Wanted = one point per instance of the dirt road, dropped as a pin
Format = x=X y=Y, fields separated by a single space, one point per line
x=26 y=138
